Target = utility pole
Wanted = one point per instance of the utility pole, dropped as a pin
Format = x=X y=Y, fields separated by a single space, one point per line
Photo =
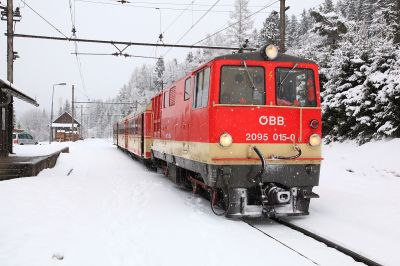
x=282 y=26
x=10 y=73
x=72 y=122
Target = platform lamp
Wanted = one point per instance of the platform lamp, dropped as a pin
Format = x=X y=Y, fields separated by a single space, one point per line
x=51 y=114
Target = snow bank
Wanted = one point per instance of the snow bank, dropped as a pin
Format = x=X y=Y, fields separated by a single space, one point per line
x=359 y=191
x=43 y=148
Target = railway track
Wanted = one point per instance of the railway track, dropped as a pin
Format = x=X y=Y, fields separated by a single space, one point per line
x=354 y=255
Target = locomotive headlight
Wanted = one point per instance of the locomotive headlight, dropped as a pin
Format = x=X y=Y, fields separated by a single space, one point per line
x=225 y=140
x=271 y=51
x=315 y=140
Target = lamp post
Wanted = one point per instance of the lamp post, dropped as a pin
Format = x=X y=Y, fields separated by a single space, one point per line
x=51 y=114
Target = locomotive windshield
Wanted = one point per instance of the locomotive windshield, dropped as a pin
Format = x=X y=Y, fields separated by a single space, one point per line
x=242 y=85
x=295 y=87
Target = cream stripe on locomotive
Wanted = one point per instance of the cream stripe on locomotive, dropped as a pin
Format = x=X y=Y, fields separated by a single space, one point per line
x=237 y=154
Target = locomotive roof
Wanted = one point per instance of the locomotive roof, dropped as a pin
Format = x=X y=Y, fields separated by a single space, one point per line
x=256 y=56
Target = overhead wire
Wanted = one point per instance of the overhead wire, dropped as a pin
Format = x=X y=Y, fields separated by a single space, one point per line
x=193 y=25
x=148 y=7
x=117 y=54
x=230 y=25
x=171 y=24
x=47 y=21
x=181 y=4
x=74 y=36
x=178 y=17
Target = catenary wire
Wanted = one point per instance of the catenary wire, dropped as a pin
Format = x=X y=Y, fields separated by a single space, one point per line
x=171 y=24
x=148 y=7
x=178 y=17
x=78 y=61
x=230 y=25
x=181 y=4
x=197 y=22
x=48 y=22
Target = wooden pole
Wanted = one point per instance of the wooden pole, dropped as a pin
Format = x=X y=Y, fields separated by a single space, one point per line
x=9 y=116
x=72 y=122
x=282 y=48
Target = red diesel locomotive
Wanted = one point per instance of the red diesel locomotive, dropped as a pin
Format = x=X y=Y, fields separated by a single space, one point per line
x=244 y=127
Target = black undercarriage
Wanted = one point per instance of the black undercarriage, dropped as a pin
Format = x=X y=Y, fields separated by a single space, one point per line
x=244 y=190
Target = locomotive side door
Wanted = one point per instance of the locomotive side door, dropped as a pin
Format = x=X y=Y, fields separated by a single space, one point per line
x=186 y=113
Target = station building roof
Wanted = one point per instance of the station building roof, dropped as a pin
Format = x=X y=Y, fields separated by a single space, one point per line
x=10 y=89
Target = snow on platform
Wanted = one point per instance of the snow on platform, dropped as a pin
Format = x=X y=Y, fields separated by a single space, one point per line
x=42 y=149
x=111 y=210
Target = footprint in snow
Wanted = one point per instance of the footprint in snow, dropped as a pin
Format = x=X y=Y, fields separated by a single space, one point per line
x=57 y=256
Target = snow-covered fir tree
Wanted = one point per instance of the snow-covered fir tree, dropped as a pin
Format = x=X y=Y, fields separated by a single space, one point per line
x=242 y=25
x=269 y=33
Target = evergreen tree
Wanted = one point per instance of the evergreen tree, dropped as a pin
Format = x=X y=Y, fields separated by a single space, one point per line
x=351 y=10
x=67 y=107
x=242 y=28
x=330 y=26
x=341 y=8
x=159 y=74
x=327 y=6
x=305 y=22
x=293 y=32
x=254 y=40
x=269 y=33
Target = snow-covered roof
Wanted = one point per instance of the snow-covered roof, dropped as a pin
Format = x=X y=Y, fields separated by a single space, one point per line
x=63 y=115
x=68 y=125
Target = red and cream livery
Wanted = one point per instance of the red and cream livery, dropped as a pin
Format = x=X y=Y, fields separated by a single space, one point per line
x=244 y=127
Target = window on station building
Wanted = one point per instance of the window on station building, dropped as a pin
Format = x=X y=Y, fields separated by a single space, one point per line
x=202 y=88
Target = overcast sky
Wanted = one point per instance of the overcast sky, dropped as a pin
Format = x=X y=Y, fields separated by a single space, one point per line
x=43 y=63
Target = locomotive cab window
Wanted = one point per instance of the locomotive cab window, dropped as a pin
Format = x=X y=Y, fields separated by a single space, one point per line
x=295 y=87
x=202 y=88
x=242 y=85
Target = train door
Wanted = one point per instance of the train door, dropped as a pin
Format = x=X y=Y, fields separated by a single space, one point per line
x=117 y=132
x=142 y=135
x=126 y=133
x=186 y=113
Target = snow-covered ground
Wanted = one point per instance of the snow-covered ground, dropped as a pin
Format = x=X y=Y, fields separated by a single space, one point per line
x=359 y=204
x=112 y=211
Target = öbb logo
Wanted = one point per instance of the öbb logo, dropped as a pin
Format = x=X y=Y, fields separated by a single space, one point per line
x=272 y=120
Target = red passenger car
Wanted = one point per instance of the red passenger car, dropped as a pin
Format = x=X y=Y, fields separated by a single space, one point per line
x=247 y=129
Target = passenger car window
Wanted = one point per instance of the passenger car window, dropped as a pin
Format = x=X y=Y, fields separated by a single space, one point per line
x=14 y=136
x=295 y=87
x=242 y=85
x=186 y=95
x=202 y=88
